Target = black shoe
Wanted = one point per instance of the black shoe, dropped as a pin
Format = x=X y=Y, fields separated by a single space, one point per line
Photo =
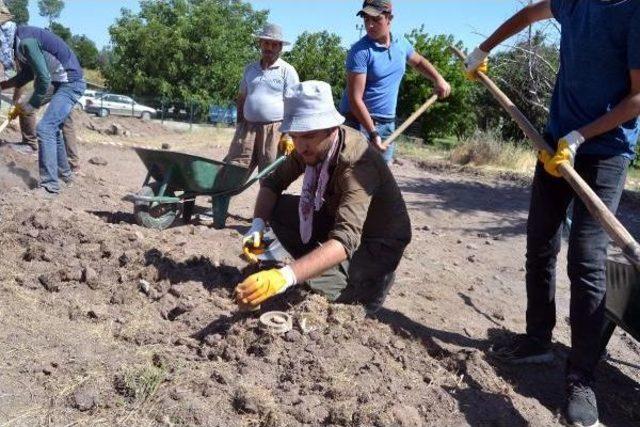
x=522 y=349
x=581 y=409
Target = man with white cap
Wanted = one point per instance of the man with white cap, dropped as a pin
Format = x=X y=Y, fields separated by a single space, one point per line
x=260 y=103
x=376 y=65
x=349 y=227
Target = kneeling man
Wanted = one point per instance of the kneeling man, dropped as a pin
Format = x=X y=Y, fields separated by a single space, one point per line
x=349 y=227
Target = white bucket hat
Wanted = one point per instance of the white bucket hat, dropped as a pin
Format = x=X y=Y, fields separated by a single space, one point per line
x=272 y=32
x=308 y=106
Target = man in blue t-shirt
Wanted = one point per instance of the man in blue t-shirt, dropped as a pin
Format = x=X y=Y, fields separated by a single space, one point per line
x=593 y=122
x=375 y=67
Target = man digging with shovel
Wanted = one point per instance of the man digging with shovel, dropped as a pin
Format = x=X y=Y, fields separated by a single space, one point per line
x=349 y=227
x=593 y=122
x=376 y=65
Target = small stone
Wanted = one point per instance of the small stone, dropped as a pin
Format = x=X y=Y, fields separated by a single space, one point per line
x=471 y=258
x=98 y=161
x=90 y=277
x=400 y=345
x=85 y=398
x=459 y=241
x=488 y=242
x=483 y=235
x=293 y=336
x=144 y=286
x=472 y=247
x=49 y=283
x=426 y=228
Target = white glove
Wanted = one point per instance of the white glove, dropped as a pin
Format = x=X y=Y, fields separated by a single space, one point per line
x=255 y=233
x=475 y=60
x=574 y=140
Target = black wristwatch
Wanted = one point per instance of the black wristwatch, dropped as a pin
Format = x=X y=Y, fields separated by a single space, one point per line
x=373 y=134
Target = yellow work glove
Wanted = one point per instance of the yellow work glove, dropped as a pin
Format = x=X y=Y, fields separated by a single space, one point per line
x=251 y=253
x=286 y=145
x=259 y=287
x=565 y=153
x=19 y=110
x=476 y=61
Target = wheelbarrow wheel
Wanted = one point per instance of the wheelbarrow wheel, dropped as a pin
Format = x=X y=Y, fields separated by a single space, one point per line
x=159 y=217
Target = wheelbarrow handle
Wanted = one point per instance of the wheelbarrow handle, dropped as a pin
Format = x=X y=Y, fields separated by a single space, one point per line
x=263 y=173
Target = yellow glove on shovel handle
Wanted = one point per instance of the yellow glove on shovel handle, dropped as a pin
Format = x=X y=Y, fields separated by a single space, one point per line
x=14 y=112
x=483 y=68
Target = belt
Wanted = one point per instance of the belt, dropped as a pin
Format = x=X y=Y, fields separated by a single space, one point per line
x=376 y=120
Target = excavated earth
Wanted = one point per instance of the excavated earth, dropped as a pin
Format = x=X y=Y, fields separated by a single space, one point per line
x=104 y=322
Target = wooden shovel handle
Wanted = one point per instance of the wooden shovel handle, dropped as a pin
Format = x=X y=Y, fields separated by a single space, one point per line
x=412 y=118
x=596 y=207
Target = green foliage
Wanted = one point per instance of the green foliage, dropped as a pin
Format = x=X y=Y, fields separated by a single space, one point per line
x=451 y=116
x=84 y=48
x=61 y=31
x=179 y=49
x=50 y=9
x=320 y=56
x=526 y=74
x=19 y=9
x=86 y=51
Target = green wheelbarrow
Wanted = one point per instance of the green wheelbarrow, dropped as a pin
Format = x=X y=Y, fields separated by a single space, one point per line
x=623 y=299
x=174 y=180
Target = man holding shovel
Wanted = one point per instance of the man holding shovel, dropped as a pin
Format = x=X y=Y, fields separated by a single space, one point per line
x=593 y=123
x=349 y=227
x=375 y=67
x=45 y=58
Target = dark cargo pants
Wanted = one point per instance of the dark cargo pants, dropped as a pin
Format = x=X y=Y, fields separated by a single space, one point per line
x=366 y=278
x=550 y=198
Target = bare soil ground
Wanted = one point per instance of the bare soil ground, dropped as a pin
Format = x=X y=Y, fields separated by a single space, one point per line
x=84 y=343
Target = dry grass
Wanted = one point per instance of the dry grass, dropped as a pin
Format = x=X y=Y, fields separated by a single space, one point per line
x=487 y=149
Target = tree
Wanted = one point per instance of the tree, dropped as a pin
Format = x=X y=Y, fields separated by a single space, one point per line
x=451 y=116
x=50 y=9
x=187 y=50
x=526 y=73
x=61 y=31
x=19 y=9
x=86 y=51
x=320 y=56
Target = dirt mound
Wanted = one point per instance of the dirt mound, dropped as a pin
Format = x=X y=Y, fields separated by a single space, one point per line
x=104 y=320
x=335 y=367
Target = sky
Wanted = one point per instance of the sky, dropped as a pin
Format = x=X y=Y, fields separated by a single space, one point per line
x=462 y=18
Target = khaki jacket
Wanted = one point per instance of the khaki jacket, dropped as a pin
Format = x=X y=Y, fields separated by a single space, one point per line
x=362 y=194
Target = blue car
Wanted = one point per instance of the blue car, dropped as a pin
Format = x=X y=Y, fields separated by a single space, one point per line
x=223 y=115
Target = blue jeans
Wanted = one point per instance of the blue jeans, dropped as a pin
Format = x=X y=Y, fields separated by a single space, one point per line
x=550 y=198
x=52 y=154
x=384 y=130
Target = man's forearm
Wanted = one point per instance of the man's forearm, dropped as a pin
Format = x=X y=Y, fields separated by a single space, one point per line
x=240 y=107
x=330 y=254
x=626 y=110
x=518 y=22
x=424 y=67
x=360 y=112
x=265 y=203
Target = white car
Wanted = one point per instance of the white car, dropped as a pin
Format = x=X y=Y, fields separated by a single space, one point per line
x=89 y=95
x=111 y=103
